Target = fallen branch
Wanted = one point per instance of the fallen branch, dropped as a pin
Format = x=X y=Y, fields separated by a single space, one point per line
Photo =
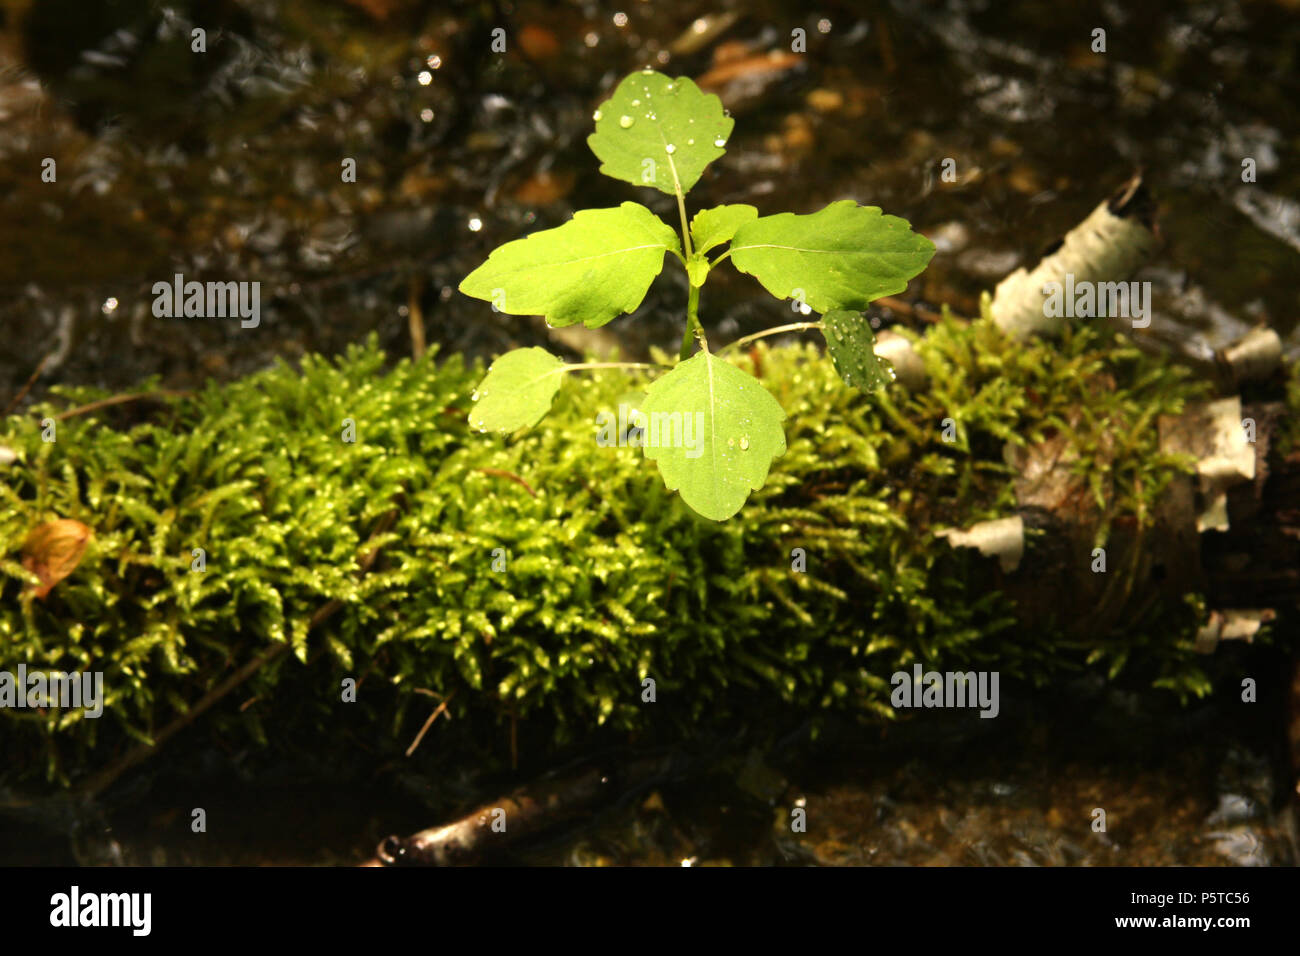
x=492 y=828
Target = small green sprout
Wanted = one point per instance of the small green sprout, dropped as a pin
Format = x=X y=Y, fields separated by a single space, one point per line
x=712 y=428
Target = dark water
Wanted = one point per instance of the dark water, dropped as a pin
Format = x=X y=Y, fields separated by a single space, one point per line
x=226 y=165
x=1205 y=785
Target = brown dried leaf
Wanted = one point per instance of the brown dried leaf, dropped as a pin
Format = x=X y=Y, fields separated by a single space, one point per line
x=53 y=550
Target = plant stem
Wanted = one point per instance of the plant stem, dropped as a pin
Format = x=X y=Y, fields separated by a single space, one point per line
x=693 y=327
x=686 y=231
x=792 y=327
x=590 y=365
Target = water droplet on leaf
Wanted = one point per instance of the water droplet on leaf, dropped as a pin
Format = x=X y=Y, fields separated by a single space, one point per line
x=719 y=142
x=670 y=149
x=625 y=121
x=596 y=115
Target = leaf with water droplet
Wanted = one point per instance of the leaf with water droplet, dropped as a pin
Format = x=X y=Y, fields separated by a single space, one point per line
x=622 y=147
x=851 y=343
x=716 y=401
x=517 y=391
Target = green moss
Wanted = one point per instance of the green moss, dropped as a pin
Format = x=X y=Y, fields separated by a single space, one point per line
x=609 y=578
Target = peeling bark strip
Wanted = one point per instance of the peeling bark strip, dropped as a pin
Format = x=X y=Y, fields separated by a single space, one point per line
x=1252 y=358
x=1003 y=539
x=1235 y=625
x=1212 y=433
x=1109 y=246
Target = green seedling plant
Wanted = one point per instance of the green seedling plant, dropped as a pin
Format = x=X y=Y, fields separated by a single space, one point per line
x=712 y=428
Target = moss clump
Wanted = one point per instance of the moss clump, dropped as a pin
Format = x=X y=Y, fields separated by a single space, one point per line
x=608 y=578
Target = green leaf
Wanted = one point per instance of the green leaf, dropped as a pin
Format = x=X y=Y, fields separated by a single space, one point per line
x=517 y=391
x=842 y=257
x=659 y=131
x=851 y=343
x=713 y=227
x=596 y=266
x=714 y=431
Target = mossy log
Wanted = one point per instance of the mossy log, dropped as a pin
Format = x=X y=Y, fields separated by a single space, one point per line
x=541 y=579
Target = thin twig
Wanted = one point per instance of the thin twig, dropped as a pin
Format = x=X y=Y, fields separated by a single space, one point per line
x=886 y=47
x=593 y=365
x=415 y=317
x=142 y=752
x=22 y=392
x=906 y=308
x=501 y=473
x=98 y=782
x=440 y=709
x=119 y=400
